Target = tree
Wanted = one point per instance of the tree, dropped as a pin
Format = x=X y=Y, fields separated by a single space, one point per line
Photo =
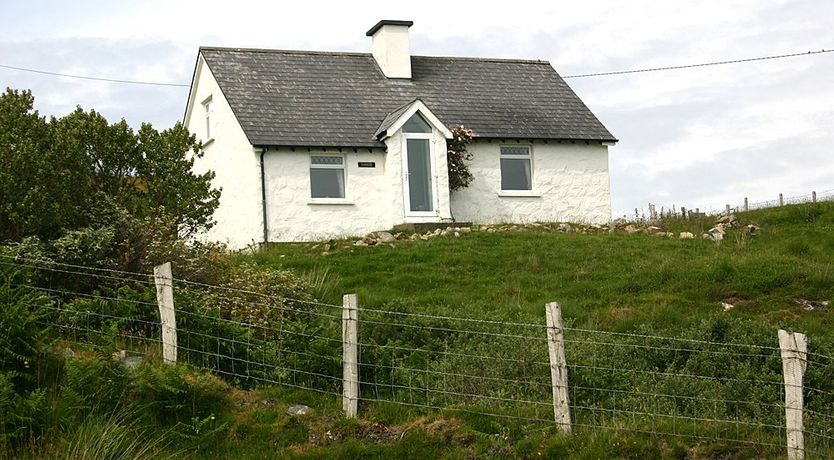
x=80 y=171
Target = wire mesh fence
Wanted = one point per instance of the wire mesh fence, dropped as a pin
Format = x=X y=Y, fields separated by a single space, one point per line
x=654 y=210
x=690 y=387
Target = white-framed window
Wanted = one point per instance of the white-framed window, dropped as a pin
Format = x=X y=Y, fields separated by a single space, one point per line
x=327 y=176
x=207 y=112
x=516 y=167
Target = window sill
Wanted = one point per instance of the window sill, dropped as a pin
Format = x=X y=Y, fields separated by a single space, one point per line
x=520 y=193
x=336 y=201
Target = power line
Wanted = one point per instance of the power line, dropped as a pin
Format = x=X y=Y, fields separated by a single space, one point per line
x=84 y=77
x=703 y=64
x=586 y=75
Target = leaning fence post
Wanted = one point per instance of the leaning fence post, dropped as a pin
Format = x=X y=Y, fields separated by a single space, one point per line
x=794 y=347
x=350 y=361
x=558 y=365
x=164 y=281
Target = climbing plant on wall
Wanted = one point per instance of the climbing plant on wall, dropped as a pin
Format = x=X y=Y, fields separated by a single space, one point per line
x=457 y=158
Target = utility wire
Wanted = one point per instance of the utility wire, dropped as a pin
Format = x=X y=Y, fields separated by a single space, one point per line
x=84 y=77
x=586 y=75
x=703 y=64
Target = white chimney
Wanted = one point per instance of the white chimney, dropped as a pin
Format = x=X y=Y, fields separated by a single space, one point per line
x=391 y=47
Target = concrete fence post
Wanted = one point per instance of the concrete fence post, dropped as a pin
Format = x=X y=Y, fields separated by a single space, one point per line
x=350 y=355
x=794 y=349
x=558 y=366
x=164 y=281
x=781 y=200
x=746 y=205
x=728 y=209
x=814 y=197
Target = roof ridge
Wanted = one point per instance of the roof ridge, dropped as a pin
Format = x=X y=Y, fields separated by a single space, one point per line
x=487 y=59
x=282 y=51
x=356 y=53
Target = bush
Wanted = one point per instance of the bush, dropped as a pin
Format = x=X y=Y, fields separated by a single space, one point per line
x=24 y=354
x=177 y=394
x=94 y=385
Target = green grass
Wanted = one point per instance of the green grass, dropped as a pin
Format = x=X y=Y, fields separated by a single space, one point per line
x=609 y=281
x=604 y=281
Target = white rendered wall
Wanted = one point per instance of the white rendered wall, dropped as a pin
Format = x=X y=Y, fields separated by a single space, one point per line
x=373 y=196
x=235 y=164
x=570 y=184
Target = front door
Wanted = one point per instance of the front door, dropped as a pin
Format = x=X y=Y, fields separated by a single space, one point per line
x=418 y=168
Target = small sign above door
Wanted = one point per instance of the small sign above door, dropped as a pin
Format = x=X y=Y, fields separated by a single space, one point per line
x=367 y=164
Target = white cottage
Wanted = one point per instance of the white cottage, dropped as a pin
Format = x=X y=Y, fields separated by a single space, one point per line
x=316 y=145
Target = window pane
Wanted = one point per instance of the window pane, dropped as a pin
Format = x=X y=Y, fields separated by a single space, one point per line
x=515 y=150
x=416 y=124
x=419 y=175
x=326 y=160
x=327 y=183
x=515 y=174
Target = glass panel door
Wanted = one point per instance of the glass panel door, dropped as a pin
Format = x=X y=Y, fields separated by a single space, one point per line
x=419 y=175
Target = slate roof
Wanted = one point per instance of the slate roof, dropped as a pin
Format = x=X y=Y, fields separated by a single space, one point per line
x=392 y=118
x=313 y=99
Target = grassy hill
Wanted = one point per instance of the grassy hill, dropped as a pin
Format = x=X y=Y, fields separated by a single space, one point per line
x=637 y=284
x=611 y=281
x=607 y=281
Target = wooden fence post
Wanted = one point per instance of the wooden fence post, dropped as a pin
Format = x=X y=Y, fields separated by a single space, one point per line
x=746 y=206
x=350 y=361
x=781 y=200
x=558 y=365
x=164 y=280
x=814 y=196
x=794 y=347
x=683 y=212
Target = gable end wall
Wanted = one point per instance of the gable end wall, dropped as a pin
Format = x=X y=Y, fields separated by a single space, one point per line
x=235 y=162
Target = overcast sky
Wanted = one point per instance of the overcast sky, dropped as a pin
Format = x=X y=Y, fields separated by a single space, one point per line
x=697 y=137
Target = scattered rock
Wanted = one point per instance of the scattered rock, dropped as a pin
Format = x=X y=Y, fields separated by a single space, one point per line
x=729 y=220
x=631 y=229
x=327 y=247
x=752 y=230
x=127 y=361
x=299 y=410
x=68 y=353
x=360 y=243
x=812 y=305
x=727 y=306
x=370 y=239
x=385 y=237
x=686 y=236
x=465 y=230
x=654 y=230
x=457 y=234
x=400 y=236
x=565 y=228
